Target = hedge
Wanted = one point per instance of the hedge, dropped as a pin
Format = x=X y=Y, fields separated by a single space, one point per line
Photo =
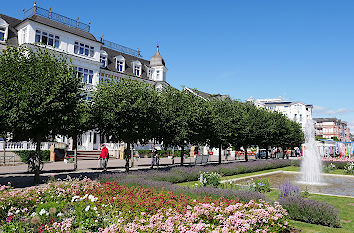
x=26 y=154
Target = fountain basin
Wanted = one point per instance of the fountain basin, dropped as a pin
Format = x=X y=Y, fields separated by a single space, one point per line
x=338 y=185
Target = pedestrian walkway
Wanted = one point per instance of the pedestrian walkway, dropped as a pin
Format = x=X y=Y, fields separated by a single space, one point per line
x=19 y=177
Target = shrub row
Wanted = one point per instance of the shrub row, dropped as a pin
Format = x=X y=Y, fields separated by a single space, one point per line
x=162 y=153
x=185 y=174
x=26 y=154
x=310 y=211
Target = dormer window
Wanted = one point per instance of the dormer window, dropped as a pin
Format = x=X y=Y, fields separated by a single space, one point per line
x=2 y=33
x=103 y=59
x=157 y=74
x=120 y=63
x=137 y=68
x=3 y=30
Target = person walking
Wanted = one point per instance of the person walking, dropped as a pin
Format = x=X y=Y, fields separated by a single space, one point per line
x=104 y=156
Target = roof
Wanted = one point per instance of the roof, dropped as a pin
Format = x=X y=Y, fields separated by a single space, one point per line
x=12 y=33
x=157 y=60
x=63 y=27
x=111 y=63
x=205 y=95
x=329 y=119
x=286 y=102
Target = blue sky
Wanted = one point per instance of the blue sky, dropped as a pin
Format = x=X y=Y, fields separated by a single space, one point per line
x=299 y=49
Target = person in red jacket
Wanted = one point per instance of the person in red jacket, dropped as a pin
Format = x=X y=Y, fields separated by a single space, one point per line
x=104 y=157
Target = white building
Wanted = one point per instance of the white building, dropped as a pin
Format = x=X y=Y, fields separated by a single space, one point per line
x=296 y=111
x=95 y=60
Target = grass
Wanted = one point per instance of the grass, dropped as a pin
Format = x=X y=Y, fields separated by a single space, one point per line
x=338 y=172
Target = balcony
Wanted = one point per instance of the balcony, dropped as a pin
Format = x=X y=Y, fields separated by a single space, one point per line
x=35 y=10
x=121 y=48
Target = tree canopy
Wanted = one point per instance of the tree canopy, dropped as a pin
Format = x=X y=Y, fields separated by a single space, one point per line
x=38 y=94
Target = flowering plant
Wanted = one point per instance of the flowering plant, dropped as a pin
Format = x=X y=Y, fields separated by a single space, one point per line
x=349 y=168
x=287 y=189
x=259 y=185
x=329 y=168
x=209 y=179
x=92 y=206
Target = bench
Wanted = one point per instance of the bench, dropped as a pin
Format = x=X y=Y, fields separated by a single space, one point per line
x=8 y=158
x=201 y=159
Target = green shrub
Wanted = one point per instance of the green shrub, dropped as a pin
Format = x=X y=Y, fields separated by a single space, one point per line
x=209 y=179
x=328 y=168
x=310 y=211
x=26 y=154
x=349 y=168
x=259 y=185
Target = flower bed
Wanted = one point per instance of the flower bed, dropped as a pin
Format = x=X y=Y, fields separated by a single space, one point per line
x=91 y=206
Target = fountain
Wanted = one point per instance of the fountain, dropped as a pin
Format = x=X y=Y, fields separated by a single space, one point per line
x=311 y=162
x=310 y=177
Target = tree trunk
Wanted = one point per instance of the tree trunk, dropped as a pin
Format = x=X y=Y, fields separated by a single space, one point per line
x=220 y=147
x=4 y=150
x=182 y=155
x=127 y=156
x=75 y=151
x=246 y=157
x=37 y=162
x=173 y=156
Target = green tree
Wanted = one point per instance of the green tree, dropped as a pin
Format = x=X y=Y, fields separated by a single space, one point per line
x=182 y=119
x=38 y=93
x=80 y=121
x=127 y=111
x=220 y=123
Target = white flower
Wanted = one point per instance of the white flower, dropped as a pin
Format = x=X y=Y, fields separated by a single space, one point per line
x=74 y=198
x=60 y=214
x=95 y=208
x=33 y=214
x=84 y=197
x=92 y=198
x=43 y=211
x=87 y=208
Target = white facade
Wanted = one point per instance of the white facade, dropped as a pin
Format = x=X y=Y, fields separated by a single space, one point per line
x=27 y=35
x=296 y=111
x=87 y=54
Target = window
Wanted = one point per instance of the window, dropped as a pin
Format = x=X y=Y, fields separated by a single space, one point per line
x=2 y=33
x=85 y=74
x=137 y=68
x=47 y=39
x=120 y=63
x=103 y=61
x=295 y=116
x=150 y=73
x=157 y=74
x=83 y=49
x=300 y=117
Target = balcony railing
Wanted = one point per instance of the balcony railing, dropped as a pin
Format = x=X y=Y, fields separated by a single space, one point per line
x=35 y=10
x=121 y=48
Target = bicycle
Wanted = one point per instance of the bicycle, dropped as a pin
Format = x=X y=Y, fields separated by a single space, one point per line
x=32 y=165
